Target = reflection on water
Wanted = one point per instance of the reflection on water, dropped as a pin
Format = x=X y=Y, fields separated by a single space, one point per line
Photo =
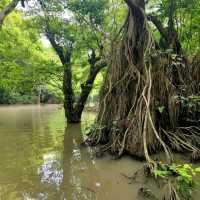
x=41 y=159
x=74 y=165
x=50 y=171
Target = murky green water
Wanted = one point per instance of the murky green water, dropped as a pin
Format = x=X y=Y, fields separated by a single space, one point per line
x=41 y=159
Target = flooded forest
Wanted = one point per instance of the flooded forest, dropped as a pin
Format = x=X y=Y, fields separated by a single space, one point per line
x=99 y=100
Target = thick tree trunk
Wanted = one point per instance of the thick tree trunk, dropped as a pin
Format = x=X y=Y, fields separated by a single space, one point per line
x=139 y=113
x=7 y=10
x=122 y=108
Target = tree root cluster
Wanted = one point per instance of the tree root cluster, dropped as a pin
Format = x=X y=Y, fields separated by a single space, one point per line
x=141 y=109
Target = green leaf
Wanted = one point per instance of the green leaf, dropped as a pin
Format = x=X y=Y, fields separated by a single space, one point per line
x=161 y=109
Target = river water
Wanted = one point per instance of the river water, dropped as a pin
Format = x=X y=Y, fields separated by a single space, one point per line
x=42 y=159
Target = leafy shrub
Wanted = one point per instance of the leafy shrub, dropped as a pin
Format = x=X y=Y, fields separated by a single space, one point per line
x=182 y=175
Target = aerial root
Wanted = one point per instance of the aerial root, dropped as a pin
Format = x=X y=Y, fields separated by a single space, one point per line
x=170 y=192
x=134 y=89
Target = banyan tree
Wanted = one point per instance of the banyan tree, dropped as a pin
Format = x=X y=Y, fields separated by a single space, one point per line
x=144 y=99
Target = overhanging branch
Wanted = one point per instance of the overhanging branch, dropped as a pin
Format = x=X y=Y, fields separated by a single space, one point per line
x=7 y=10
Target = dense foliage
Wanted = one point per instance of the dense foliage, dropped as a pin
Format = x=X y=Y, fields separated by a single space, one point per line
x=25 y=64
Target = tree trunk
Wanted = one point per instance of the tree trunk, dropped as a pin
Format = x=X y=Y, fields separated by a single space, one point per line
x=73 y=110
x=139 y=113
x=39 y=95
x=69 y=95
x=125 y=82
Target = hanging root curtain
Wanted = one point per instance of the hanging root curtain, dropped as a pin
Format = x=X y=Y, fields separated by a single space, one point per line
x=141 y=105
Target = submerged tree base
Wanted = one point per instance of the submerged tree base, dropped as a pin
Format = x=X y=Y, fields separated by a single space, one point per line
x=142 y=109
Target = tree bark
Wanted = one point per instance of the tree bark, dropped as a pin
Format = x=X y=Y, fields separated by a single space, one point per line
x=7 y=10
x=137 y=83
x=122 y=110
x=69 y=95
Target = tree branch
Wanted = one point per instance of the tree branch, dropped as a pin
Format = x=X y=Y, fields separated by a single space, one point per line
x=158 y=25
x=134 y=5
x=58 y=49
x=87 y=87
x=7 y=10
